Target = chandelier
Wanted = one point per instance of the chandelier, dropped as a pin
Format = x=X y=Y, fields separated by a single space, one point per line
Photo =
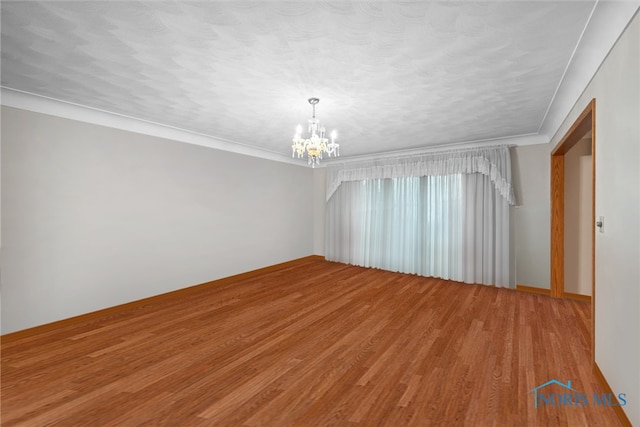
x=316 y=144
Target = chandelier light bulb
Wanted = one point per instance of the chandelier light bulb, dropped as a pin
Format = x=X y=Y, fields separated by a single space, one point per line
x=316 y=144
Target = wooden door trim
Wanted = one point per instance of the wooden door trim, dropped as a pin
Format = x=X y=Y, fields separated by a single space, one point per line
x=557 y=225
x=584 y=123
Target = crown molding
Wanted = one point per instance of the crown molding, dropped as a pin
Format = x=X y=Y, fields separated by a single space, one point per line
x=511 y=141
x=54 y=107
x=608 y=21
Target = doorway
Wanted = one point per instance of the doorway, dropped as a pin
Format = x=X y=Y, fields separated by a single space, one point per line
x=582 y=133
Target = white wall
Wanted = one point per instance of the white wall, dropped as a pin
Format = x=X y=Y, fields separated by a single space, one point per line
x=531 y=216
x=319 y=204
x=578 y=225
x=93 y=216
x=616 y=88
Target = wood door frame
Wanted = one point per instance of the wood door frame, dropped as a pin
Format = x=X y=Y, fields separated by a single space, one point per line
x=584 y=123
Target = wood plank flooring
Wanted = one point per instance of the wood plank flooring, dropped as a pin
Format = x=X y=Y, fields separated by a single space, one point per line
x=313 y=344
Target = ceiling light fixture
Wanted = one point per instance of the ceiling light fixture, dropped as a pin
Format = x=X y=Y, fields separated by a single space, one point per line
x=316 y=144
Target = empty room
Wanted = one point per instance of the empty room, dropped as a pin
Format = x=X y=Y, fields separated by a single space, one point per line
x=314 y=213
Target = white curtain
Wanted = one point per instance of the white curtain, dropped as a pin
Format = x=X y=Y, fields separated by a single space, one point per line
x=449 y=225
x=485 y=234
x=493 y=162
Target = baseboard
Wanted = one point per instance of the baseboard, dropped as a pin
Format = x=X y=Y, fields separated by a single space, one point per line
x=578 y=297
x=533 y=290
x=622 y=416
x=25 y=333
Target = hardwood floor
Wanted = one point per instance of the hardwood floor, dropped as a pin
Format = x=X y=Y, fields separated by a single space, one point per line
x=312 y=344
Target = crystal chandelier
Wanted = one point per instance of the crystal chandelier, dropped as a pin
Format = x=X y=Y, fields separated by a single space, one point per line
x=316 y=144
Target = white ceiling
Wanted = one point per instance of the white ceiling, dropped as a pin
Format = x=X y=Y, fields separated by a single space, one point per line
x=390 y=75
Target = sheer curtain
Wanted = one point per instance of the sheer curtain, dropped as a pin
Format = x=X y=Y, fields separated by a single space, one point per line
x=447 y=221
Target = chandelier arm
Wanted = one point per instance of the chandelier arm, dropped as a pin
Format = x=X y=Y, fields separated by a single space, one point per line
x=316 y=145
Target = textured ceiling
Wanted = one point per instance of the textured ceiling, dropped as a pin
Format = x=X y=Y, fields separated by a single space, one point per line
x=390 y=75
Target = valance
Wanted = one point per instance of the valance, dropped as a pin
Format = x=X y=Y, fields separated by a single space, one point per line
x=494 y=162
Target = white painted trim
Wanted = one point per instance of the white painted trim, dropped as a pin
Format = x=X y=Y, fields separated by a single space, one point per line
x=511 y=141
x=45 y=105
x=564 y=73
x=608 y=21
x=606 y=24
